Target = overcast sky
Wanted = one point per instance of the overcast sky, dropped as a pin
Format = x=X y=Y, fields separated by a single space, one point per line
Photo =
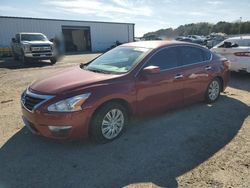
x=148 y=15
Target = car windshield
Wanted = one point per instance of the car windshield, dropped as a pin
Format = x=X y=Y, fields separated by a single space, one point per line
x=33 y=37
x=118 y=60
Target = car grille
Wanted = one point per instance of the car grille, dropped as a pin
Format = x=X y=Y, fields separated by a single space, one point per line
x=42 y=55
x=40 y=48
x=30 y=100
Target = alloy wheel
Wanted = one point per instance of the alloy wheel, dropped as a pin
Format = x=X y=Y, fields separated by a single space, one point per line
x=214 y=90
x=112 y=123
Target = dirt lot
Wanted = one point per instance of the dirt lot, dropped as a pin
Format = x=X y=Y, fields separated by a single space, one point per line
x=196 y=146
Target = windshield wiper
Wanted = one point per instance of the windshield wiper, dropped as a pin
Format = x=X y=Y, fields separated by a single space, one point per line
x=84 y=67
x=96 y=70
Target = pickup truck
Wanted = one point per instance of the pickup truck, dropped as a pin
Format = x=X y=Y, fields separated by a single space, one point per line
x=33 y=46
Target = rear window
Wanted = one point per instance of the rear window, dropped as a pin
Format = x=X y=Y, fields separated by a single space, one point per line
x=244 y=42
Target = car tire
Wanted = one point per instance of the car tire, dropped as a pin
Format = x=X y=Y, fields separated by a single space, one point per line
x=53 y=61
x=213 y=91
x=108 y=122
x=23 y=59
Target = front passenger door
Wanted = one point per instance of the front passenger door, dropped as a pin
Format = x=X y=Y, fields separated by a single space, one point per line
x=161 y=90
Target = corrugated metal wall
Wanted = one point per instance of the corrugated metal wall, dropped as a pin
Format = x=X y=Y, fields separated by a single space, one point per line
x=103 y=35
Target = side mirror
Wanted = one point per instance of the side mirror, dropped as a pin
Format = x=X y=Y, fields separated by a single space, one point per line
x=13 y=40
x=151 y=70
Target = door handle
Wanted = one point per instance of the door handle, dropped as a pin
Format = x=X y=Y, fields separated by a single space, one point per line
x=178 y=76
x=208 y=68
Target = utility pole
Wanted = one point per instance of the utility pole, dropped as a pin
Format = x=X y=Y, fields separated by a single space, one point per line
x=240 y=25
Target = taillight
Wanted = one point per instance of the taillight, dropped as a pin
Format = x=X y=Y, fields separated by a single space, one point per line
x=242 y=54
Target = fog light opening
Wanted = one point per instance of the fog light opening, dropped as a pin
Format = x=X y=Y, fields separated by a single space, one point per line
x=60 y=131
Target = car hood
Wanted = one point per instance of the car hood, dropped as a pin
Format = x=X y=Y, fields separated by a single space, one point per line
x=36 y=42
x=69 y=80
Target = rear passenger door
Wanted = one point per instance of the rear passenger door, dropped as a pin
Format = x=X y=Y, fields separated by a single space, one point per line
x=197 y=70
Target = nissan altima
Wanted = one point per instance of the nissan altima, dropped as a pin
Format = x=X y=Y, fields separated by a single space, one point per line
x=96 y=99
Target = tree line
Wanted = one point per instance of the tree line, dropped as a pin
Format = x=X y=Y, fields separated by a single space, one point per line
x=204 y=28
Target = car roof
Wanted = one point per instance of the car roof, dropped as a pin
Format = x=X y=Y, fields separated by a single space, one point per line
x=31 y=33
x=156 y=43
x=238 y=38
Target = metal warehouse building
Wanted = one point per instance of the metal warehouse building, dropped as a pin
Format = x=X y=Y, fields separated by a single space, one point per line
x=75 y=35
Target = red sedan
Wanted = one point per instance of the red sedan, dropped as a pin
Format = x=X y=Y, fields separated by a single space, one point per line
x=138 y=78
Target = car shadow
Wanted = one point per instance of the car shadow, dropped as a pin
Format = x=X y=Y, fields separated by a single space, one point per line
x=9 y=63
x=153 y=150
x=240 y=80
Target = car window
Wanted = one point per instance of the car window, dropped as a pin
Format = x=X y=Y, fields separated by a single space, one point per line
x=33 y=37
x=118 y=60
x=230 y=43
x=244 y=42
x=206 y=55
x=191 y=55
x=165 y=59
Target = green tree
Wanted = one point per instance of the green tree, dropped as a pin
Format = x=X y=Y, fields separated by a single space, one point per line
x=203 y=28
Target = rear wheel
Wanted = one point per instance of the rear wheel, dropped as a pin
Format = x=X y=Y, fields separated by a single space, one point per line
x=108 y=122
x=213 y=90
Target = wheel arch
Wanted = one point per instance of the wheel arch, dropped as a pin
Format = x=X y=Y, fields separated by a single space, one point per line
x=121 y=101
x=221 y=82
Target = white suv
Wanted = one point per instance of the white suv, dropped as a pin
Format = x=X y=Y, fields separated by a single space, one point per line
x=237 y=51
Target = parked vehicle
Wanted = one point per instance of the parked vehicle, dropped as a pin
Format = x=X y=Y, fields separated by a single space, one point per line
x=32 y=46
x=237 y=51
x=152 y=37
x=214 y=39
x=192 y=38
x=137 y=78
x=184 y=39
x=197 y=37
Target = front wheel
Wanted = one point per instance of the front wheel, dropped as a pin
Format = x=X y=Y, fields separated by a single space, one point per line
x=53 y=61
x=23 y=59
x=213 y=91
x=108 y=122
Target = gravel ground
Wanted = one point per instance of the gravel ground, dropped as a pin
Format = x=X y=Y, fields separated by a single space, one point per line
x=196 y=146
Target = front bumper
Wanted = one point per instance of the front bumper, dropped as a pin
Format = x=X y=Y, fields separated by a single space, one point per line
x=74 y=125
x=40 y=55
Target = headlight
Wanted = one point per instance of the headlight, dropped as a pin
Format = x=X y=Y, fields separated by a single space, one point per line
x=69 y=105
x=26 y=48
